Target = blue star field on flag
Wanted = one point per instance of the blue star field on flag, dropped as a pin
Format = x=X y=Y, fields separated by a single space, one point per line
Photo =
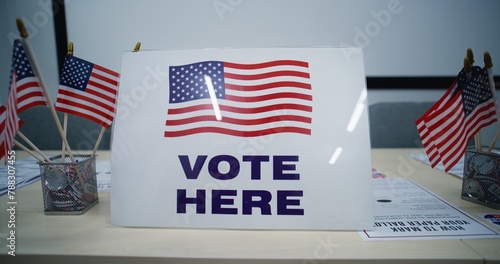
x=476 y=90
x=20 y=62
x=188 y=81
x=76 y=73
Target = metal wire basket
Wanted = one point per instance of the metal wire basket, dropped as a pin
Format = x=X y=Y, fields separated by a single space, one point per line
x=67 y=187
x=481 y=181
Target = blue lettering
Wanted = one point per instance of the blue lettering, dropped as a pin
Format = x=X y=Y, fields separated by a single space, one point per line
x=182 y=201
x=284 y=202
x=192 y=173
x=263 y=202
x=283 y=167
x=218 y=201
x=234 y=167
x=255 y=165
x=280 y=165
x=222 y=200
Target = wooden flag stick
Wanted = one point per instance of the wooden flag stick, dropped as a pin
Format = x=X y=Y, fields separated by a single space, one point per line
x=494 y=141
x=38 y=73
x=65 y=129
x=23 y=137
x=479 y=142
x=103 y=129
x=488 y=63
x=28 y=151
x=65 y=121
x=98 y=140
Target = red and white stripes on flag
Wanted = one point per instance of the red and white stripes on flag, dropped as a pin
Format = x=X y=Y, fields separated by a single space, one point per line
x=425 y=135
x=88 y=90
x=254 y=99
x=3 y=139
x=449 y=125
x=9 y=123
x=29 y=93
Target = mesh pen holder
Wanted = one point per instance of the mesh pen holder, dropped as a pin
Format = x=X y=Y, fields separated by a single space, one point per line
x=481 y=180
x=69 y=188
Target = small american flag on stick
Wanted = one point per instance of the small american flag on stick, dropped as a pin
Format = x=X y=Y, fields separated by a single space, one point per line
x=88 y=90
x=449 y=125
x=28 y=90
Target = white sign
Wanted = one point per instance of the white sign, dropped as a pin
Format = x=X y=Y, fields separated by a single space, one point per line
x=269 y=138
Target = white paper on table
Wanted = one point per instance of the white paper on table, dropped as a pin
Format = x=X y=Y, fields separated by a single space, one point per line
x=407 y=211
x=25 y=171
x=103 y=170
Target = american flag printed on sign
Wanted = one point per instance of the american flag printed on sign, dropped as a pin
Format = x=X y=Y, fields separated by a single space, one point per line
x=88 y=90
x=22 y=78
x=254 y=99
